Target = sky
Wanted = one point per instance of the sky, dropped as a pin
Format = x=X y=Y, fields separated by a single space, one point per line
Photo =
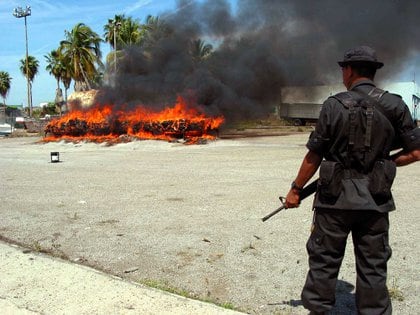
x=50 y=19
x=46 y=25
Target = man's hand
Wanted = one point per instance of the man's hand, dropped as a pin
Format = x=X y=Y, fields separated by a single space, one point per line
x=292 y=199
x=309 y=166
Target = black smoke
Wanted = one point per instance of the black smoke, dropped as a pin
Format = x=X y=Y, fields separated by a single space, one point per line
x=260 y=46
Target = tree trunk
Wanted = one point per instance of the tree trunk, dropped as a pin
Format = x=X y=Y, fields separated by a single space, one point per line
x=65 y=98
x=31 y=105
x=86 y=81
x=85 y=77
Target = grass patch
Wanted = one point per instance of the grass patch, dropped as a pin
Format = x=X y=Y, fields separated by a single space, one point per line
x=36 y=246
x=228 y=306
x=164 y=286
x=395 y=293
x=54 y=250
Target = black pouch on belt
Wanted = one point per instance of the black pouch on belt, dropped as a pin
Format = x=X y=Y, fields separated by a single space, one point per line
x=381 y=179
x=329 y=184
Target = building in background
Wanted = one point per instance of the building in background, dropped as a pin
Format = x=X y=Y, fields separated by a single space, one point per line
x=409 y=92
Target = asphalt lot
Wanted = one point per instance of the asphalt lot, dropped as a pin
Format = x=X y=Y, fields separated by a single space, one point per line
x=188 y=217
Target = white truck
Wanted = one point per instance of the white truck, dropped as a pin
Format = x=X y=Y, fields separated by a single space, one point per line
x=302 y=104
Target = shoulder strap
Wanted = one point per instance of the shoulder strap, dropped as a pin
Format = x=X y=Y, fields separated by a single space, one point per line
x=346 y=99
x=349 y=102
x=376 y=93
x=360 y=103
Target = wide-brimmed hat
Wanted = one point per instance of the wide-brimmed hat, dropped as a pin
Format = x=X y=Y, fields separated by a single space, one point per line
x=361 y=54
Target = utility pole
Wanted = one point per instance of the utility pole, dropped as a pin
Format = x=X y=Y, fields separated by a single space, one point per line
x=19 y=13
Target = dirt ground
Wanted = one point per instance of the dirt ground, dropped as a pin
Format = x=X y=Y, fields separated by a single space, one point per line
x=189 y=217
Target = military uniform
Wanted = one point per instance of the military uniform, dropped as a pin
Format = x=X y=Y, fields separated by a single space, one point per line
x=349 y=203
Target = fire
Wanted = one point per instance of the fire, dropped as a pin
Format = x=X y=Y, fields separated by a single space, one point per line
x=103 y=124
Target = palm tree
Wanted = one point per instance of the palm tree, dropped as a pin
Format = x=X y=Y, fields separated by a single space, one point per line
x=81 y=51
x=33 y=66
x=110 y=31
x=57 y=67
x=66 y=79
x=199 y=50
x=29 y=70
x=5 y=81
x=121 y=32
x=153 y=30
x=129 y=32
x=54 y=65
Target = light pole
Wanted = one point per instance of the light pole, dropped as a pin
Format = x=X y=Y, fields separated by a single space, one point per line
x=116 y=27
x=19 y=13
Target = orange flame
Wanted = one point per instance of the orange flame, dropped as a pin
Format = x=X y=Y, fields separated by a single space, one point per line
x=103 y=124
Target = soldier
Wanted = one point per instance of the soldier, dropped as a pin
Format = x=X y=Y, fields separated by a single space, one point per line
x=354 y=187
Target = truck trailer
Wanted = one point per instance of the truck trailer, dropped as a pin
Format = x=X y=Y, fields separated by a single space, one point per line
x=302 y=104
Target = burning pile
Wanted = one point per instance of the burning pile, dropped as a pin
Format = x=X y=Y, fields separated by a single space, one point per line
x=103 y=124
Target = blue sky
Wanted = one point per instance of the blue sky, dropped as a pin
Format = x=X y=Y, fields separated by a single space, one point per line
x=49 y=20
x=46 y=27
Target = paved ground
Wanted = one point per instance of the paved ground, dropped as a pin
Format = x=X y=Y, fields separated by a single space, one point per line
x=32 y=283
x=186 y=217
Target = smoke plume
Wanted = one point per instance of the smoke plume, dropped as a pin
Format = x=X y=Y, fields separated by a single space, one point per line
x=258 y=47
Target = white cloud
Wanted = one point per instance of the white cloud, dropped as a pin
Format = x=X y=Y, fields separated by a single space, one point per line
x=138 y=5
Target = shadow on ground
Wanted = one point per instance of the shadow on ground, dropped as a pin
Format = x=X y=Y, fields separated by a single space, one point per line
x=344 y=304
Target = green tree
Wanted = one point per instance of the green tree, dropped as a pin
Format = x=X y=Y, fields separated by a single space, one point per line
x=81 y=50
x=199 y=50
x=153 y=30
x=5 y=81
x=55 y=65
x=33 y=66
x=112 y=31
x=66 y=79
x=29 y=71
x=129 y=32
x=121 y=32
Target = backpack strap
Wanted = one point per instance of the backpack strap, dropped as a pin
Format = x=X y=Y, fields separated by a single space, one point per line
x=376 y=93
x=349 y=102
x=346 y=99
x=369 y=104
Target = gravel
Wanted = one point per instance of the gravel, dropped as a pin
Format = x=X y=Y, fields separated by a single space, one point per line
x=188 y=217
